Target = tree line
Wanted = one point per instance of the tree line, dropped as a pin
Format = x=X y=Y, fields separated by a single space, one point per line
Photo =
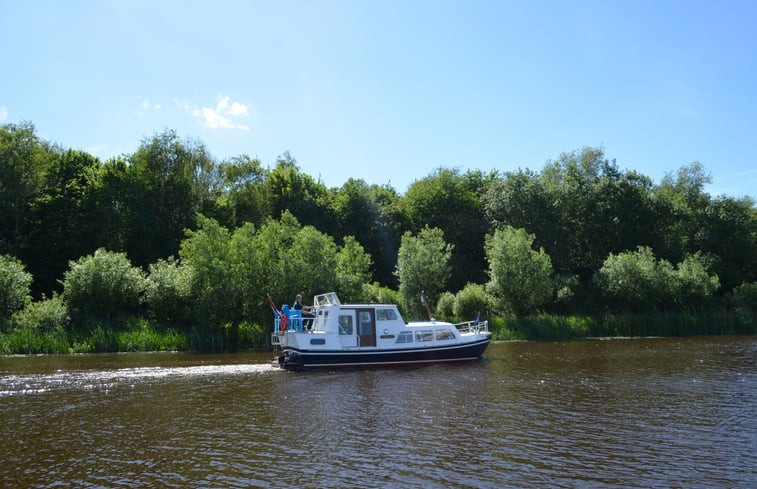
x=191 y=245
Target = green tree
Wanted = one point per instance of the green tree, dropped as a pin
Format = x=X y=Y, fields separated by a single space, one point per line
x=450 y=201
x=296 y=192
x=242 y=192
x=371 y=214
x=62 y=213
x=169 y=182
x=104 y=285
x=206 y=254
x=353 y=267
x=423 y=267
x=23 y=162
x=520 y=277
x=600 y=209
x=15 y=287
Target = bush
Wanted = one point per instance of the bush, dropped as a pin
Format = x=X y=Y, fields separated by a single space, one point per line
x=445 y=306
x=15 y=287
x=471 y=302
x=104 y=285
x=47 y=315
x=167 y=292
x=744 y=296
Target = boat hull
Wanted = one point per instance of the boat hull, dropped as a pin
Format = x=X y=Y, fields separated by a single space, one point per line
x=296 y=359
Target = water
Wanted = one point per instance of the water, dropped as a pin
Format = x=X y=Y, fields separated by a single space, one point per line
x=616 y=413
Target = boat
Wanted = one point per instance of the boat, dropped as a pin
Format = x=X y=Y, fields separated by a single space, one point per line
x=365 y=335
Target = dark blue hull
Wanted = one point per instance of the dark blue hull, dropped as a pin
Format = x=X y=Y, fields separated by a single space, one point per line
x=295 y=359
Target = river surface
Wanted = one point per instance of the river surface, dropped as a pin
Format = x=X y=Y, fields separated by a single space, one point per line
x=613 y=413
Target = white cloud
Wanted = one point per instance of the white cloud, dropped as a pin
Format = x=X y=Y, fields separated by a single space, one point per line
x=97 y=150
x=3 y=112
x=224 y=115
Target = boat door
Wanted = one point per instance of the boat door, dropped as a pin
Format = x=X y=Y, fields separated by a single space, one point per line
x=366 y=327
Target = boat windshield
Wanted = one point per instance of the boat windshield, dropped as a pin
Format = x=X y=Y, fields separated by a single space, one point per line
x=329 y=299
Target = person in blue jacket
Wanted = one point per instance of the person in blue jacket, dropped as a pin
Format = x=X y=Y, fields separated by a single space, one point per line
x=307 y=311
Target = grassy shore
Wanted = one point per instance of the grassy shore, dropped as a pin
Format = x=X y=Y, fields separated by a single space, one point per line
x=140 y=335
x=557 y=327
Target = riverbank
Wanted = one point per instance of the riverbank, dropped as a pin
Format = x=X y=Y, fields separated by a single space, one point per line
x=143 y=336
x=559 y=327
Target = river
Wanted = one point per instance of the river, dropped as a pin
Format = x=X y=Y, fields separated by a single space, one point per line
x=608 y=413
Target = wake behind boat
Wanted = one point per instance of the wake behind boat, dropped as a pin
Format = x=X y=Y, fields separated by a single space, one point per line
x=369 y=335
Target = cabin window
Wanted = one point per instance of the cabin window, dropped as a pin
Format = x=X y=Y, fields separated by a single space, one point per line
x=345 y=325
x=386 y=314
x=444 y=334
x=424 y=336
x=318 y=341
x=405 y=337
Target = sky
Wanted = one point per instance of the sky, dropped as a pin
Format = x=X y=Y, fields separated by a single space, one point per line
x=389 y=91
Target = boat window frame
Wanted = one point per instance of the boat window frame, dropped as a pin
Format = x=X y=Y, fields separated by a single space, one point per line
x=424 y=336
x=386 y=314
x=445 y=334
x=405 y=337
x=343 y=331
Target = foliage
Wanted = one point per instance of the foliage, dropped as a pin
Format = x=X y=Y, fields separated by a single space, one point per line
x=445 y=306
x=639 y=281
x=275 y=231
x=103 y=285
x=167 y=293
x=471 y=302
x=205 y=253
x=23 y=163
x=47 y=315
x=378 y=294
x=449 y=201
x=520 y=277
x=423 y=267
x=352 y=270
x=15 y=284
x=744 y=296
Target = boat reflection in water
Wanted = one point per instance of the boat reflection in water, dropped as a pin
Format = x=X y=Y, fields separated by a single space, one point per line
x=370 y=335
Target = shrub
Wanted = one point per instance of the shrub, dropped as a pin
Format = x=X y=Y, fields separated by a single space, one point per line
x=744 y=296
x=103 y=285
x=445 y=306
x=15 y=287
x=46 y=315
x=471 y=302
x=167 y=292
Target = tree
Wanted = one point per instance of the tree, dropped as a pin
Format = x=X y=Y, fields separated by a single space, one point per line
x=423 y=267
x=352 y=270
x=243 y=194
x=23 y=163
x=64 y=228
x=169 y=182
x=15 y=287
x=450 y=201
x=206 y=253
x=293 y=191
x=371 y=214
x=520 y=278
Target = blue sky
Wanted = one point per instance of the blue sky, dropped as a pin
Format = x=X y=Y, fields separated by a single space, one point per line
x=387 y=91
